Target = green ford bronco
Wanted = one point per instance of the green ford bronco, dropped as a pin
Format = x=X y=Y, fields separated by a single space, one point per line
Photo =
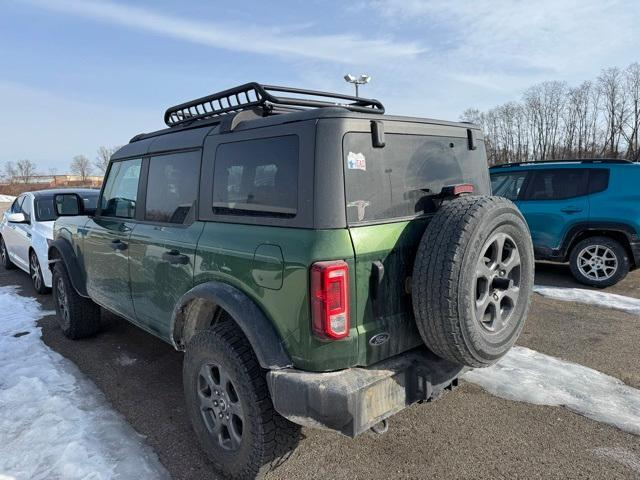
x=320 y=263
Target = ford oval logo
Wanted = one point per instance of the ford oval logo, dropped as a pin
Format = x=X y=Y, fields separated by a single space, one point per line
x=379 y=339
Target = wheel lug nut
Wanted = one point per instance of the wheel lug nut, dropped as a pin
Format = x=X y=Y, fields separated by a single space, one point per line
x=217 y=392
x=220 y=415
x=227 y=416
x=215 y=403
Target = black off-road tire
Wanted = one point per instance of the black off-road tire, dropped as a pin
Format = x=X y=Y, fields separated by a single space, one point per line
x=267 y=438
x=77 y=316
x=4 y=257
x=621 y=259
x=460 y=241
x=35 y=272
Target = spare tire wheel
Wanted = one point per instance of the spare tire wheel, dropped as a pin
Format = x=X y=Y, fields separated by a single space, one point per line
x=472 y=280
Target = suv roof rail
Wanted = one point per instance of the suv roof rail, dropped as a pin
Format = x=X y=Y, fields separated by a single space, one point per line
x=567 y=160
x=252 y=95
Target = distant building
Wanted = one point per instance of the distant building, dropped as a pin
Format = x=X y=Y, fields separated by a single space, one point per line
x=59 y=180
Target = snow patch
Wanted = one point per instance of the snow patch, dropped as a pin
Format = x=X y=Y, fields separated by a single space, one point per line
x=591 y=297
x=55 y=423
x=620 y=455
x=6 y=199
x=529 y=376
x=125 y=360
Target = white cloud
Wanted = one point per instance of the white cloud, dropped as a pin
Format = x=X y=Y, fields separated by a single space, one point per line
x=342 y=48
x=510 y=41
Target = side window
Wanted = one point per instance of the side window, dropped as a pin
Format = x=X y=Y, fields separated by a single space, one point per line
x=26 y=208
x=508 y=185
x=557 y=184
x=257 y=177
x=172 y=187
x=121 y=189
x=598 y=180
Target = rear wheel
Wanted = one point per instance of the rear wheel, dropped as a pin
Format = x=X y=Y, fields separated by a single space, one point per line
x=77 y=316
x=473 y=279
x=599 y=262
x=36 y=274
x=4 y=256
x=229 y=405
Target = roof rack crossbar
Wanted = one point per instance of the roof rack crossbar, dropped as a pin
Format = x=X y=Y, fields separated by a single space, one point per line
x=262 y=96
x=567 y=160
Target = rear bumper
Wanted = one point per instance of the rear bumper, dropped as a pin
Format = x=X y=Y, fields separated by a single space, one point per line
x=351 y=401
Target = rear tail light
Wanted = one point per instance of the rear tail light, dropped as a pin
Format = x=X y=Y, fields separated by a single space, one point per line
x=330 y=299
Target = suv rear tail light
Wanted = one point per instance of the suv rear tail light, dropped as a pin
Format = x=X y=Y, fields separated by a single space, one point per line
x=330 y=299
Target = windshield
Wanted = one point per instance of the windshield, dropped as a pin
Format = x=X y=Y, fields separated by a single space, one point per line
x=45 y=212
x=400 y=180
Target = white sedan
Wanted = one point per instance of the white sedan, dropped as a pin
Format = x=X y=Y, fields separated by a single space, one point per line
x=26 y=228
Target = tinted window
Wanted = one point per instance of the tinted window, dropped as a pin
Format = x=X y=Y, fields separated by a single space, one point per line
x=259 y=177
x=598 y=180
x=172 y=186
x=121 y=189
x=401 y=179
x=45 y=212
x=508 y=185
x=557 y=184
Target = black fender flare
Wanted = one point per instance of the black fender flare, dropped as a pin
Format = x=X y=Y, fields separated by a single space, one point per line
x=620 y=228
x=199 y=303
x=60 y=250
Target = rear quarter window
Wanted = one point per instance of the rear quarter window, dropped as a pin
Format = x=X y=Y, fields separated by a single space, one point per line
x=257 y=177
x=598 y=180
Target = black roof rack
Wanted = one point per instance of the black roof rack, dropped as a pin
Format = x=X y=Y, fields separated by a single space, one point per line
x=567 y=160
x=254 y=95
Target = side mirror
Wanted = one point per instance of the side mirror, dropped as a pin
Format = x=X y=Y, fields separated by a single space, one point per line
x=68 y=204
x=16 y=218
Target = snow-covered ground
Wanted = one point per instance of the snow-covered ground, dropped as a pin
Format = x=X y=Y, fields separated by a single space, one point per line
x=6 y=198
x=591 y=297
x=529 y=376
x=55 y=423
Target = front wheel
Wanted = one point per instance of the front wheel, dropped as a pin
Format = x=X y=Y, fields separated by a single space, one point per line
x=77 y=316
x=599 y=262
x=36 y=274
x=229 y=405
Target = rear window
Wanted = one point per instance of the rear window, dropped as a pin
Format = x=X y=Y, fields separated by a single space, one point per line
x=257 y=177
x=401 y=179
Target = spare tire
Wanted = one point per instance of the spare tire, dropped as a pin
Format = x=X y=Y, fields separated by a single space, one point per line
x=472 y=280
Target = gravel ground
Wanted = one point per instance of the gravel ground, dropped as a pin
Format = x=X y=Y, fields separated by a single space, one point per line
x=466 y=434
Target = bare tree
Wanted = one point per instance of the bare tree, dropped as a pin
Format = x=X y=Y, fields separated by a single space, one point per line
x=610 y=84
x=102 y=160
x=81 y=166
x=632 y=92
x=9 y=172
x=25 y=170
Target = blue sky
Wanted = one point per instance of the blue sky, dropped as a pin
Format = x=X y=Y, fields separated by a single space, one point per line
x=76 y=74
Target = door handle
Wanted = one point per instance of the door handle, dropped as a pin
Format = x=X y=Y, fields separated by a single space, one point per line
x=571 y=209
x=174 y=257
x=118 y=245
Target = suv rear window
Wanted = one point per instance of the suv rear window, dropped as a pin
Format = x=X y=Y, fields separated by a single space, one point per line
x=401 y=179
x=257 y=177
